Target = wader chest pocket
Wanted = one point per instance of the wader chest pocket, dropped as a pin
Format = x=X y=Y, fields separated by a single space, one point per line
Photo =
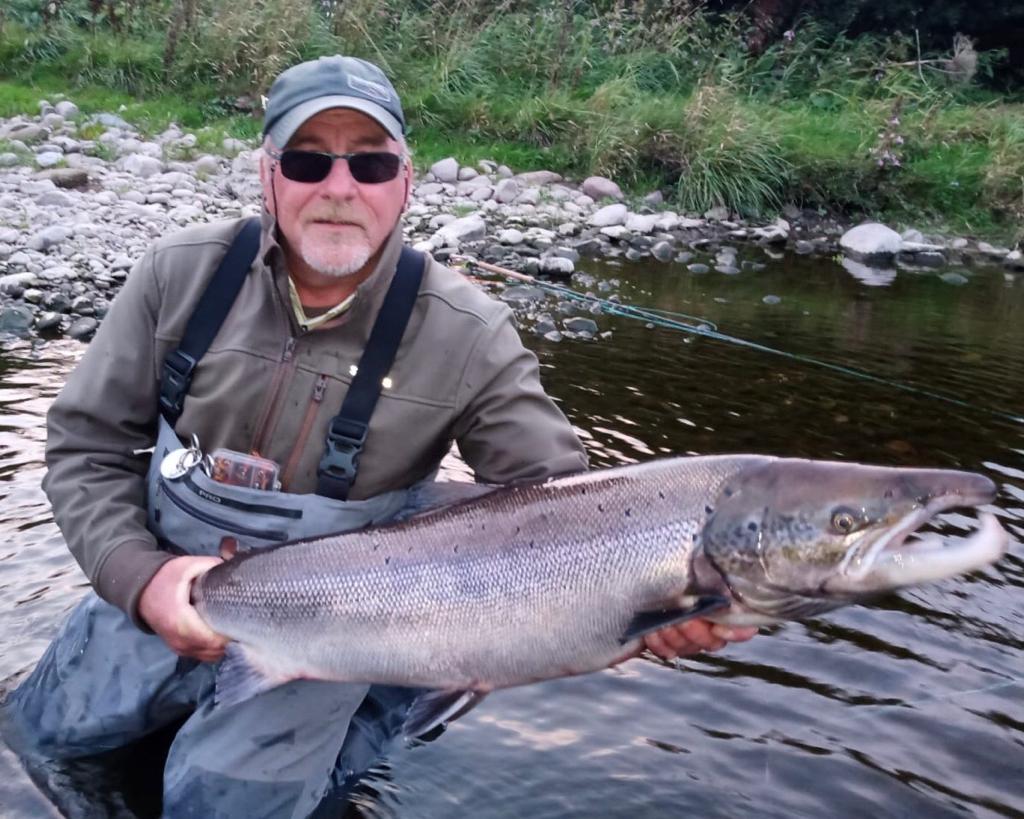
x=195 y=513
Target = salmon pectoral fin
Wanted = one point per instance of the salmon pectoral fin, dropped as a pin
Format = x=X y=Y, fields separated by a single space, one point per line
x=644 y=622
x=435 y=708
x=240 y=678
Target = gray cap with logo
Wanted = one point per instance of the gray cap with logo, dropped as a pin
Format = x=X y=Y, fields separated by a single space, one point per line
x=308 y=88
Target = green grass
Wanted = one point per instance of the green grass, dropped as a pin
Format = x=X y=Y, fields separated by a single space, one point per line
x=694 y=115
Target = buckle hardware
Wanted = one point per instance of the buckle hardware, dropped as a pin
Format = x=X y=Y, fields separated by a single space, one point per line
x=177 y=376
x=345 y=439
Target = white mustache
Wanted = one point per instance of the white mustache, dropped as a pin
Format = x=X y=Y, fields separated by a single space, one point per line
x=335 y=215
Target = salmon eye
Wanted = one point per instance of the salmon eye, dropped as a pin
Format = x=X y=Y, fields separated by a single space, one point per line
x=844 y=521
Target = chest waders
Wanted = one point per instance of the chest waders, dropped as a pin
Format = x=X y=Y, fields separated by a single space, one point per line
x=102 y=683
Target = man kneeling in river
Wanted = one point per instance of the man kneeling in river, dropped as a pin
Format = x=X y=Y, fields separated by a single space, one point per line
x=312 y=306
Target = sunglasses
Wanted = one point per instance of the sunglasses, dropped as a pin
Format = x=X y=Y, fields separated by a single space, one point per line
x=366 y=167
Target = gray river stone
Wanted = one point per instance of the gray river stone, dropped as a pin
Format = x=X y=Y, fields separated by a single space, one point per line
x=47 y=320
x=557 y=266
x=609 y=216
x=523 y=293
x=507 y=190
x=15 y=319
x=446 y=170
x=871 y=240
x=663 y=251
x=600 y=187
x=49 y=159
x=67 y=177
x=83 y=328
x=14 y=284
x=67 y=109
x=580 y=325
x=48 y=237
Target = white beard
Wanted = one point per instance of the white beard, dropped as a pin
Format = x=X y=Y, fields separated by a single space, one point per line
x=335 y=259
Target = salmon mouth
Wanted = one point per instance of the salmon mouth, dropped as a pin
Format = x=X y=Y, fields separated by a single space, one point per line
x=901 y=555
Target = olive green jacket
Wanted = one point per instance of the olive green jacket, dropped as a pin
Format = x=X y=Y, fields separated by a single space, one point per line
x=461 y=374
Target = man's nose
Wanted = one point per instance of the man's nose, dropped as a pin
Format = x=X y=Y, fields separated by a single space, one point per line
x=339 y=181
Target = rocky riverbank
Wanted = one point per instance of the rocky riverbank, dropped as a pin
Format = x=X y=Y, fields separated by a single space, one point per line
x=81 y=198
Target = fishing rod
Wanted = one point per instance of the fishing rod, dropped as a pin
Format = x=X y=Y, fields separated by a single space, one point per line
x=702 y=327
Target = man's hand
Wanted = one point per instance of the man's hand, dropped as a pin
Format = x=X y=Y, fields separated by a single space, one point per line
x=165 y=607
x=694 y=636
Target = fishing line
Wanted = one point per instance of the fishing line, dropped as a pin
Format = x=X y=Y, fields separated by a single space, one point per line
x=699 y=326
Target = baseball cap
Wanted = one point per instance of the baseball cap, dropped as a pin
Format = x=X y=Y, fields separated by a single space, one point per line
x=308 y=88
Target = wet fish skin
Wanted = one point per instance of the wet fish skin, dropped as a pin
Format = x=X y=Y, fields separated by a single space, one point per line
x=539 y=581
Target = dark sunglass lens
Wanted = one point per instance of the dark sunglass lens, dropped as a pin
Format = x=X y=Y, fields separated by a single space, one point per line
x=305 y=166
x=374 y=166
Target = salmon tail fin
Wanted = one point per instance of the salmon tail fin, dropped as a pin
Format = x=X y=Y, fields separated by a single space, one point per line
x=436 y=708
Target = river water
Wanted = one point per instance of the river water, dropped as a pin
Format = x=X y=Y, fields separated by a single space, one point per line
x=910 y=706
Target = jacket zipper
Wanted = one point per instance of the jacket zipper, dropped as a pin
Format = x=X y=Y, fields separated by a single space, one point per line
x=205 y=517
x=272 y=407
x=319 y=390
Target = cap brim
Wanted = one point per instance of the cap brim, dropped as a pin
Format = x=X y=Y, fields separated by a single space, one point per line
x=286 y=126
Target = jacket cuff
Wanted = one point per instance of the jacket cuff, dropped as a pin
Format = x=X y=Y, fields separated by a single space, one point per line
x=125 y=573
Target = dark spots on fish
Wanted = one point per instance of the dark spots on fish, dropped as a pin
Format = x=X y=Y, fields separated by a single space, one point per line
x=519 y=529
x=387 y=560
x=728 y=491
x=890 y=493
x=629 y=513
x=752 y=526
x=456 y=548
x=600 y=507
x=376 y=546
x=661 y=494
x=533 y=544
x=709 y=510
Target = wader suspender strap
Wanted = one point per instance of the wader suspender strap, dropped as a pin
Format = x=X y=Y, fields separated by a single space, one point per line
x=204 y=323
x=347 y=431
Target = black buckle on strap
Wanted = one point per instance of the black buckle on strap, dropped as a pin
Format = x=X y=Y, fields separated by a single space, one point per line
x=345 y=439
x=177 y=376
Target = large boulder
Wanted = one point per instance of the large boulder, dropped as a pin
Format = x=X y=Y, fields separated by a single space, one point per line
x=446 y=170
x=532 y=178
x=600 y=187
x=467 y=229
x=609 y=215
x=871 y=240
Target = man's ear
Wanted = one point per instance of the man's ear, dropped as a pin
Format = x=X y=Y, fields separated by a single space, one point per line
x=408 y=183
x=267 y=182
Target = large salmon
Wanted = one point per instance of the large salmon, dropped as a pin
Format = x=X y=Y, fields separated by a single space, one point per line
x=531 y=582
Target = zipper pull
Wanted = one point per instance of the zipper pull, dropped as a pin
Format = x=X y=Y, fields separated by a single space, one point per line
x=320 y=388
x=289 y=350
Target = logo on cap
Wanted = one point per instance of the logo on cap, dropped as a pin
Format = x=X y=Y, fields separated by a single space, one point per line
x=369 y=88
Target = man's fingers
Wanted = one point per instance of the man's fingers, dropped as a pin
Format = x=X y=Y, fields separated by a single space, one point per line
x=734 y=634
